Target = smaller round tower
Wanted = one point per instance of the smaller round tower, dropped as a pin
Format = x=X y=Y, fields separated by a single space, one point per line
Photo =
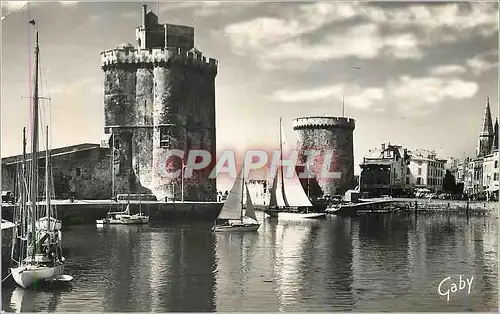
x=332 y=136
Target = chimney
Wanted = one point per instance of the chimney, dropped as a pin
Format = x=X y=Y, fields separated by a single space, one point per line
x=383 y=146
x=143 y=18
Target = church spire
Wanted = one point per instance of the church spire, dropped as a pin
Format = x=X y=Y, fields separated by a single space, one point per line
x=486 y=135
x=495 y=134
x=487 y=128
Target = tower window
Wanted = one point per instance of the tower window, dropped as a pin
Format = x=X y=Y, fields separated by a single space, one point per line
x=164 y=137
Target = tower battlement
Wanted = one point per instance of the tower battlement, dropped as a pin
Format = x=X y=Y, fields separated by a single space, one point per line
x=128 y=55
x=323 y=123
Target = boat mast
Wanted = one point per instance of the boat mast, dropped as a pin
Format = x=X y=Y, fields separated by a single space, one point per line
x=47 y=181
x=281 y=167
x=242 y=190
x=140 y=192
x=113 y=166
x=34 y=148
x=24 y=187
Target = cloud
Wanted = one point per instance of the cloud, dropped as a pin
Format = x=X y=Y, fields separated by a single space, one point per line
x=482 y=63
x=9 y=7
x=267 y=40
x=68 y=3
x=353 y=95
x=411 y=29
x=448 y=69
x=419 y=92
x=412 y=94
x=202 y=8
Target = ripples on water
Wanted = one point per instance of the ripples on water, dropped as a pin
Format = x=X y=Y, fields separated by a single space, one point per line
x=376 y=263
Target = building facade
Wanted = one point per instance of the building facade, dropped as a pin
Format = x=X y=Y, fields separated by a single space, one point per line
x=425 y=171
x=383 y=171
x=479 y=175
x=159 y=98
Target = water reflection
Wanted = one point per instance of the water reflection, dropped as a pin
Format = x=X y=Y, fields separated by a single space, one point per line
x=372 y=263
x=39 y=299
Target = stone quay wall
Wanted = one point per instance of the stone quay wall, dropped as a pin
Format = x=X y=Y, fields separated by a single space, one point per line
x=87 y=212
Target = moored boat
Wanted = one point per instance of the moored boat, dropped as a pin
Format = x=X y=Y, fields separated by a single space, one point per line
x=38 y=250
x=288 y=200
x=234 y=216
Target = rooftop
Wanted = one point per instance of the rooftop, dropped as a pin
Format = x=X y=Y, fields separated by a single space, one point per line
x=55 y=151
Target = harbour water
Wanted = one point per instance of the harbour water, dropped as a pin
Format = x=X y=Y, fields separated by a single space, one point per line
x=371 y=263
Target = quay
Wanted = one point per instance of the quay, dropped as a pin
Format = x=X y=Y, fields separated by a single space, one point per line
x=81 y=212
x=422 y=205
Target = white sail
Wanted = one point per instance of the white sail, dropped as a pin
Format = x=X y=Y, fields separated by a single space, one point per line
x=295 y=196
x=277 y=198
x=233 y=206
x=249 y=210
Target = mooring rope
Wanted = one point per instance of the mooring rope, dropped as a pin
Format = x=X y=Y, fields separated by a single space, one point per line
x=10 y=274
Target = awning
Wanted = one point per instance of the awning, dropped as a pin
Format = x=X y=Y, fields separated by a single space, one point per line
x=7 y=224
x=492 y=189
x=105 y=140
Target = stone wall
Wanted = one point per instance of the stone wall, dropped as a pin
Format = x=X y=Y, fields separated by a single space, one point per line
x=86 y=174
x=330 y=135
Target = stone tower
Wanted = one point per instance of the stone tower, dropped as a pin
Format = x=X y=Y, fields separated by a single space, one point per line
x=486 y=135
x=158 y=98
x=330 y=135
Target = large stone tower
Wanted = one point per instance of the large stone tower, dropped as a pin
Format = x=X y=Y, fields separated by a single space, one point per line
x=330 y=135
x=158 y=98
x=486 y=135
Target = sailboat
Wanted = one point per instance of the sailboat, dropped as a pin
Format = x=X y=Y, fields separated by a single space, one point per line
x=288 y=198
x=124 y=217
x=39 y=255
x=233 y=216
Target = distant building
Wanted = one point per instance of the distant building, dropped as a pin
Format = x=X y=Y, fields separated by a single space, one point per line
x=425 y=170
x=490 y=173
x=383 y=170
x=259 y=191
x=480 y=174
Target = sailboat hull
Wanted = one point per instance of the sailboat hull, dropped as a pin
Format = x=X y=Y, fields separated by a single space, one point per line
x=26 y=276
x=237 y=228
x=135 y=220
x=275 y=213
x=109 y=221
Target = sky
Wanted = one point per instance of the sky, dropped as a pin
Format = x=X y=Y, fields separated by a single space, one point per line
x=412 y=74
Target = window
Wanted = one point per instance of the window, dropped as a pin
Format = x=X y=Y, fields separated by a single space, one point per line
x=496 y=163
x=407 y=180
x=78 y=172
x=419 y=181
x=495 y=176
x=419 y=171
x=164 y=137
x=117 y=143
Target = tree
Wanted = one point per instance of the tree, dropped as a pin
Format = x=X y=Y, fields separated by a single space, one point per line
x=449 y=183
